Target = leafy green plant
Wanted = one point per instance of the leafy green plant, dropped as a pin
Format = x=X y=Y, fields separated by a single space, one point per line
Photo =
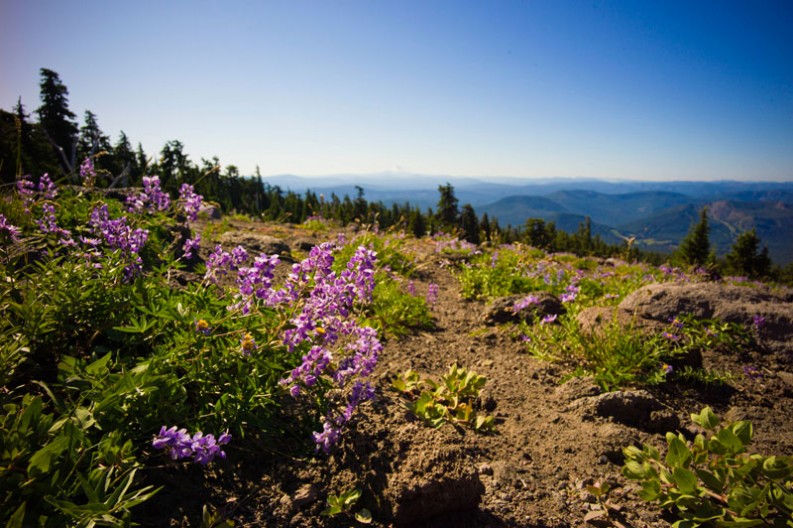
x=344 y=504
x=714 y=481
x=396 y=312
x=451 y=400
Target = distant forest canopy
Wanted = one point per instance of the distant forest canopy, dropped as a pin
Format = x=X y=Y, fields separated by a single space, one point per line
x=57 y=145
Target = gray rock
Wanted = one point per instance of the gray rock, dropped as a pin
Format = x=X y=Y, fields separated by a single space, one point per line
x=255 y=243
x=502 y=310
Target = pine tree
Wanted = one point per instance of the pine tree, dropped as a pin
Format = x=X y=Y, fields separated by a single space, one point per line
x=448 y=214
x=56 y=119
x=744 y=258
x=694 y=250
x=469 y=224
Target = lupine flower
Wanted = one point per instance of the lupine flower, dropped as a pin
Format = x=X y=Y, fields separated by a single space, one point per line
x=27 y=191
x=47 y=189
x=432 y=293
x=179 y=444
x=567 y=297
x=190 y=245
x=549 y=319
x=190 y=201
x=758 y=321
x=202 y=327
x=87 y=172
x=151 y=199
x=118 y=235
x=12 y=231
x=524 y=303
x=411 y=288
x=674 y=321
x=327 y=438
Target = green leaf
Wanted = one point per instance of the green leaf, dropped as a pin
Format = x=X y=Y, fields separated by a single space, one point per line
x=41 y=461
x=778 y=467
x=18 y=518
x=743 y=430
x=706 y=419
x=710 y=480
x=99 y=366
x=364 y=516
x=686 y=480
x=679 y=455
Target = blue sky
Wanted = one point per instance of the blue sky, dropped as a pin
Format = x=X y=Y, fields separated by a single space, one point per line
x=649 y=90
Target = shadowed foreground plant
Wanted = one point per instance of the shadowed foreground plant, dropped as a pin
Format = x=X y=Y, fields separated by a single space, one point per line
x=714 y=481
x=452 y=400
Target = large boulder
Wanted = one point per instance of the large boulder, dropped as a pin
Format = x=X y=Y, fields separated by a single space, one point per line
x=659 y=303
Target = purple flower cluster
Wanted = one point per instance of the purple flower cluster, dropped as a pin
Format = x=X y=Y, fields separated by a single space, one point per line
x=256 y=281
x=221 y=262
x=190 y=201
x=191 y=245
x=117 y=235
x=152 y=199
x=46 y=187
x=549 y=319
x=671 y=337
x=432 y=293
x=11 y=231
x=570 y=294
x=27 y=191
x=524 y=303
x=88 y=172
x=200 y=447
x=758 y=321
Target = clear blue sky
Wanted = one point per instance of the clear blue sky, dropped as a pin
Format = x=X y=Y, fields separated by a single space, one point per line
x=631 y=90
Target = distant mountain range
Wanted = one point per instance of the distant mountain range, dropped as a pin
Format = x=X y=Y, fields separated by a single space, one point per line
x=658 y=214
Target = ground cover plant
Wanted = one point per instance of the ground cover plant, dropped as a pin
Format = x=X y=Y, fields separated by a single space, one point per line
x=107 y=365
x=715 y=481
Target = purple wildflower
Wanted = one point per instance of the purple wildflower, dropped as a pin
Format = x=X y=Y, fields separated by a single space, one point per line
x=47 y=189
x=671 y=337
x=190 y=201
x=667 y=369
x=179 y=444
x=88 y=172
x=567 y=297
x=758 y=321
x=27 y=191
x=152 y=199
x=549 y=319
x=752 y=372
x=432 y=293
x=190 y=245
x=327 y=438
x=524 y=303
x=11 y=231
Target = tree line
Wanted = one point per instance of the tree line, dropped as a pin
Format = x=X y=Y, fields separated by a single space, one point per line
x=56 y=144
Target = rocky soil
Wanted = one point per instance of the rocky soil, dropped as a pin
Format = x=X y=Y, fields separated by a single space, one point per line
x=552 y=438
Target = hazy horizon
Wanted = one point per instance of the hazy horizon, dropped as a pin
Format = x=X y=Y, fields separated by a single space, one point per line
x=505 y=90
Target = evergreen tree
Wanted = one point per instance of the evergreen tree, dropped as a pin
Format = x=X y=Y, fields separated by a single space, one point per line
x=92 y=139
x=694 y=250
x=744 y=258
x=484 y=227
x=448 y=214
x=537 y=233
x=469 y=224
x=56 y=119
